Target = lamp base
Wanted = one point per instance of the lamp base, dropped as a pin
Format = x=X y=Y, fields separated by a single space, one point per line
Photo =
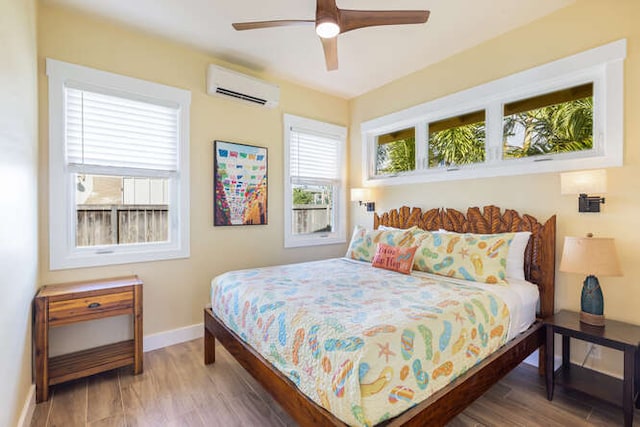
x=592 y=302
x=592 y=319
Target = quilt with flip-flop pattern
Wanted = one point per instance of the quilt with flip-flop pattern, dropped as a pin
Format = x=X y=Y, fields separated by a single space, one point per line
x=364 y=343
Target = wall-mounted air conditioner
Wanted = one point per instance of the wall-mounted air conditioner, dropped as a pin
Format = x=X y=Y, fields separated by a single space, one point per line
x=234 y=85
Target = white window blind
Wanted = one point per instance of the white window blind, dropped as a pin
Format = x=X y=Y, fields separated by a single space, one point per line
x=111 y=131
x=314 y=156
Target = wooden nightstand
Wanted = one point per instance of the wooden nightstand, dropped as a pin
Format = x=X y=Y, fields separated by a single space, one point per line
x=617 y=335
x=63 y=304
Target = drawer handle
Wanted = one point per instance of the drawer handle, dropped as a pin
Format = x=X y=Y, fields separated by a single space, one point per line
x=94 y=305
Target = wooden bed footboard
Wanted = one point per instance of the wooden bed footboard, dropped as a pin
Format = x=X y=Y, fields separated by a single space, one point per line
x=436 y=410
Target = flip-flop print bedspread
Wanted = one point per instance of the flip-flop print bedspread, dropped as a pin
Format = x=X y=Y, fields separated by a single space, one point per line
x=364 y=343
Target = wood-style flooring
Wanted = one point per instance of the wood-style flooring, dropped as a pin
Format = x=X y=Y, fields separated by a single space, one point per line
x=177 y=389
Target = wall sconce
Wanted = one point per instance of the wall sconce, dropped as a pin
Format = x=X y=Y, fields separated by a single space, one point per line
x=585 y=183
x=363 y=197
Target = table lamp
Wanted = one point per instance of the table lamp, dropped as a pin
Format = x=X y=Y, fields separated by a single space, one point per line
x=591 y=256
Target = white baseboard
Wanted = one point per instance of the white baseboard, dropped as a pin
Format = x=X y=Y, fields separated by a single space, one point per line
x=173 y=336
x=29 y=406
x=532 y=359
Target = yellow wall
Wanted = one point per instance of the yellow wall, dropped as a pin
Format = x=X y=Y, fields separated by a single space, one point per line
x=584 y=25
x=176 y=291
x=18 y=202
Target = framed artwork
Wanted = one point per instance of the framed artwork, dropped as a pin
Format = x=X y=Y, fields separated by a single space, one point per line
x=240 y=184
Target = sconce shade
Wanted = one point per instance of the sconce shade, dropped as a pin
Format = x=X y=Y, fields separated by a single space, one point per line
x=590 y=255
x=584 y=182
x=360 y=195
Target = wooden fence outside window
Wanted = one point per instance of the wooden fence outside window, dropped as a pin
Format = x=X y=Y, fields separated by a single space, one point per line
x=121 y=224
x=312 y=219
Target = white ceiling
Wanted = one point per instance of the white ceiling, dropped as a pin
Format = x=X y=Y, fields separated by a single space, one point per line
x=368 y=58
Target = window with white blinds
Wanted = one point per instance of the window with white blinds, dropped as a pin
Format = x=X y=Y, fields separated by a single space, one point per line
x=114 y=131
x=314 y=156
x=118 y=168
x=315 y=211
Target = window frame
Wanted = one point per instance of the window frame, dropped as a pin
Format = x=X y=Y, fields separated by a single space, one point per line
x=63 y=252
x=603 y=66
x=339 y=234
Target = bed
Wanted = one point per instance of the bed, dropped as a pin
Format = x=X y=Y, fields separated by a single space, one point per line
x=286 y=382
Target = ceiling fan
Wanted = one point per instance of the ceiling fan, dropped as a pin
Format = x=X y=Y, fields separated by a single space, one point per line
x=331 y=21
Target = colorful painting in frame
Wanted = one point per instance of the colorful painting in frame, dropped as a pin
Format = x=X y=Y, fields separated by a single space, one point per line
x=240 y=184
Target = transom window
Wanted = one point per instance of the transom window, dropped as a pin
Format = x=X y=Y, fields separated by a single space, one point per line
x=560 y=116
x=556 y=122
x=396 y=151
x=457 y=140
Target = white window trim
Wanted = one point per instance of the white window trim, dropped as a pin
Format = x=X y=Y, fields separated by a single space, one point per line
x=63 y=252
x=339 y=235
x=604 y=66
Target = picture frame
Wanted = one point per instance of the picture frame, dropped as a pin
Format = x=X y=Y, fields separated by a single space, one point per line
x=239 y=184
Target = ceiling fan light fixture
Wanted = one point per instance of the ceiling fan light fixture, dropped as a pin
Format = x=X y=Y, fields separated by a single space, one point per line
x=327 y=29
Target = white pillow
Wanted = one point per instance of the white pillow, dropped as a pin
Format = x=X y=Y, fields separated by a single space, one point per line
x=387 y=228
x=515 y=257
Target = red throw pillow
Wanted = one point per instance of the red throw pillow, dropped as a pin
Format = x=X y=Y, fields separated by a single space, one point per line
x=394 y=258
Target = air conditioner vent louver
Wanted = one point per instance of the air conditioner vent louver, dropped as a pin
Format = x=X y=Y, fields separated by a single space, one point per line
x=241 y=96
x=241 y=87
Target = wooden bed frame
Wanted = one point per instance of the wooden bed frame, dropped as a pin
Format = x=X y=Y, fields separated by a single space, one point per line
x=449 y=401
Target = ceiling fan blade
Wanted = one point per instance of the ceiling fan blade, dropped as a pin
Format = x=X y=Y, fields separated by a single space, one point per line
x=330 y=47
x=326 y=10
x=241 y=26
x=354 y=19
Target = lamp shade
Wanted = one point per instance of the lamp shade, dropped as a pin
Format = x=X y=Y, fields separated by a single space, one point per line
x=584 y=182
x=360 y=194
x=590 y=255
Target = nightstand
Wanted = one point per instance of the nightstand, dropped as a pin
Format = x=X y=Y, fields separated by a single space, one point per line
x=64 y=304
x=617 y=335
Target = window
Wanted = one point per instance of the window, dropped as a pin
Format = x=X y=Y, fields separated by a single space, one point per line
x=457 y=140
x=118 y=166
x=557 y=122
x=115 y=210
x=396 y=152
x=315 y=210
x=560 y=116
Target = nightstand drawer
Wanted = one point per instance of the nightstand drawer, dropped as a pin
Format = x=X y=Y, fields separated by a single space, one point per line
x=91 y=307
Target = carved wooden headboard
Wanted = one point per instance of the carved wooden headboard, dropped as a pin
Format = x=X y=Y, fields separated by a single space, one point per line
x=540 y=255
